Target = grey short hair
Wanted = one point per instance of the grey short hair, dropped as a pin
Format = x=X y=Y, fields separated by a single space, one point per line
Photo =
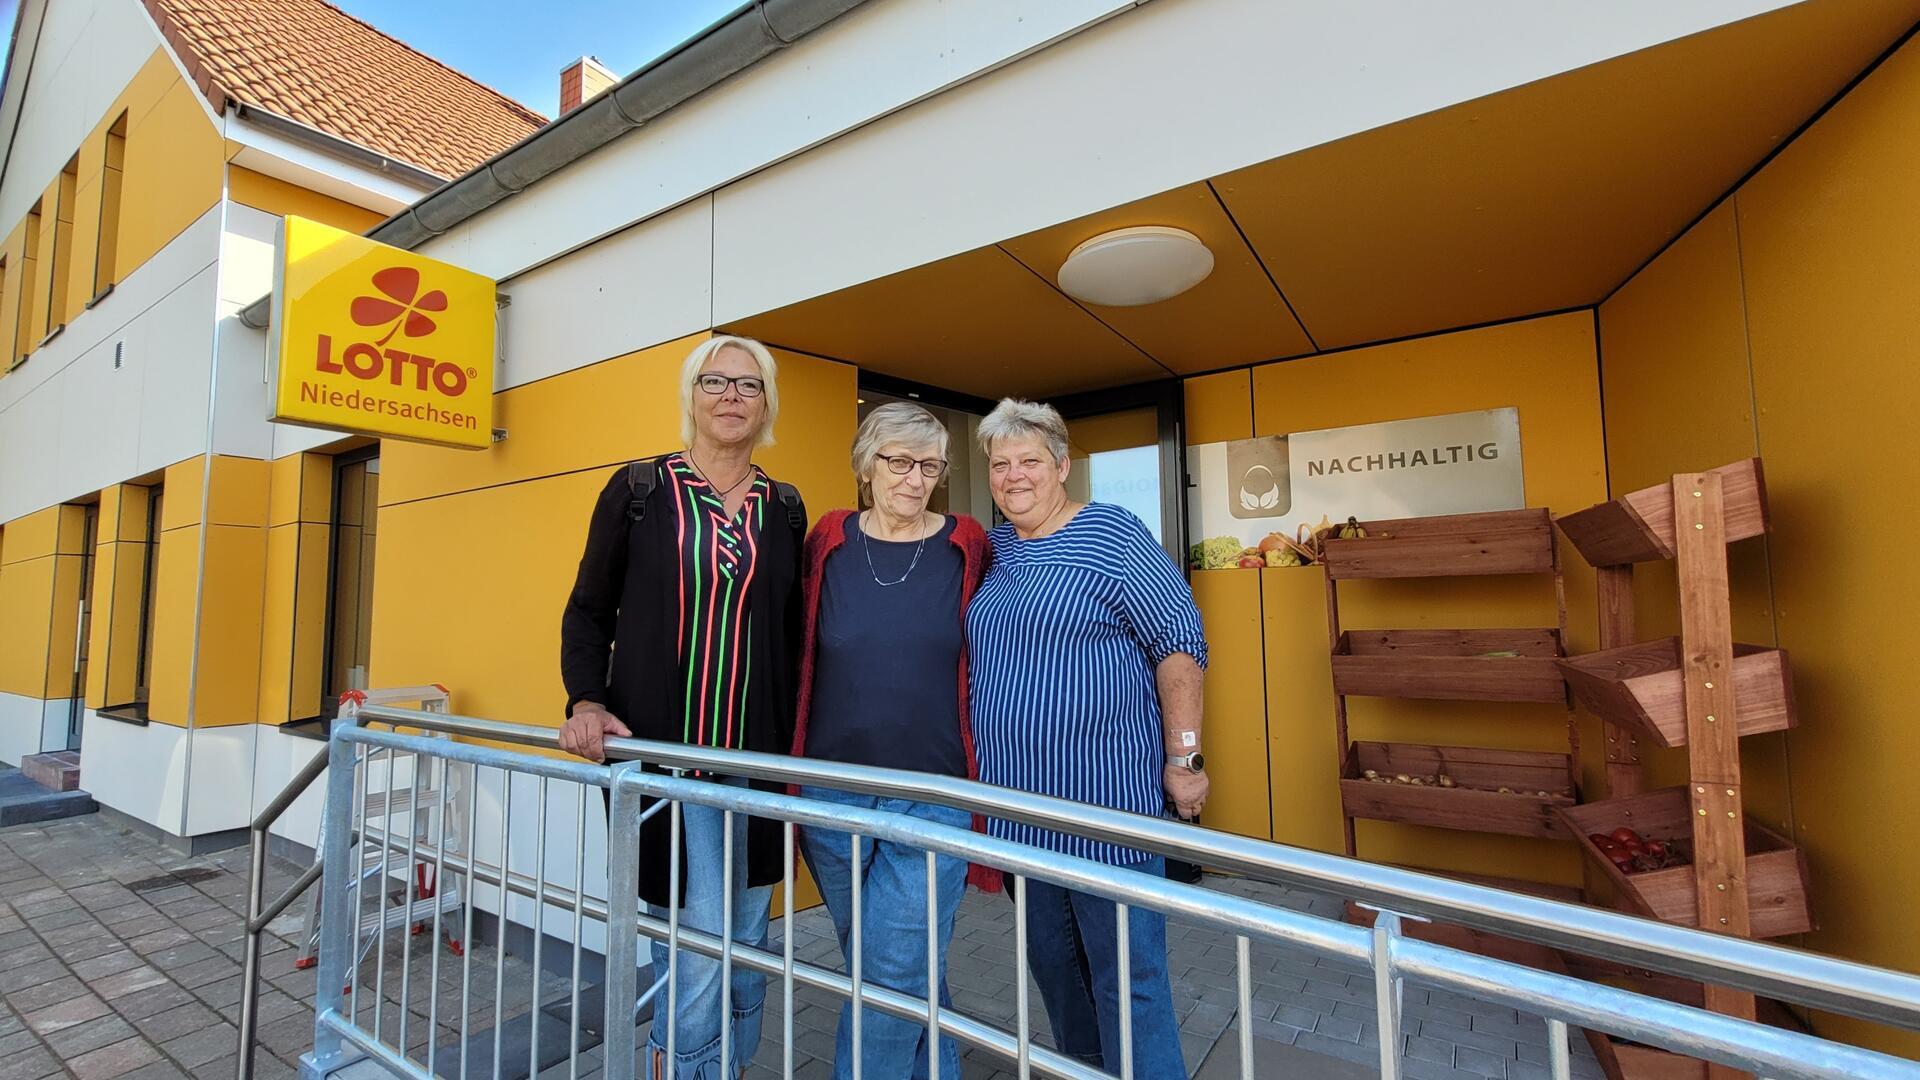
x=1015 y=418
x=895 y=422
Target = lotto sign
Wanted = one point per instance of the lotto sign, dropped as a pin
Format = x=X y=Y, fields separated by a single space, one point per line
x=376 y=340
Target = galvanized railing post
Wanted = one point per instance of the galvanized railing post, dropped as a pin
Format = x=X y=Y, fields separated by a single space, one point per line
x=250 y=964
x=1386 y=991
x=623 y=922
x=337 y=919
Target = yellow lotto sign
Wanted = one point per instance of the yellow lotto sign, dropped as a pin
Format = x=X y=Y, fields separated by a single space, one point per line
x=377 y=340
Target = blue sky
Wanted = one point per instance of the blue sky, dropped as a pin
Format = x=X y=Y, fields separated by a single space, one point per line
x=518 y=47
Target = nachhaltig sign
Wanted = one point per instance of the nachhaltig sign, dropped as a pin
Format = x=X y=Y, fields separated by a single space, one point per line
x=1453 y=464
x=376 y=340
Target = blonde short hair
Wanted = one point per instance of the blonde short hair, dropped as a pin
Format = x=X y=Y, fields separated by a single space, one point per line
x=895 y=422
x=697 y=361
x=1015 y=418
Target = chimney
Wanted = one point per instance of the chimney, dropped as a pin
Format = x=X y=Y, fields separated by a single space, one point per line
x=581 y=81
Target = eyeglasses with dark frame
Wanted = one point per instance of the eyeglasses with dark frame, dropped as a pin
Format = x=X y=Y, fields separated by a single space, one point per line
x=931 y=468
x=747 y=385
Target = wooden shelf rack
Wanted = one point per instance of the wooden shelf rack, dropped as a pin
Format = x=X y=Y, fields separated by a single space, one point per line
x=1485 y=790
x=1700 y=691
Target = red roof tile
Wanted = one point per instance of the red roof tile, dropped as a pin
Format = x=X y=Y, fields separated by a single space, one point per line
x=309 y=61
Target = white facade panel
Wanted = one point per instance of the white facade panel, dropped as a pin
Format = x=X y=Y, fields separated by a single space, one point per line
x=175 y=361
x=864 y=65
x=1169 y=94
x=20 y=722
x=277 y=756
x=137 y=770
x=71 y=423
x=70 y=88
x=220 y=795
x=634 y=289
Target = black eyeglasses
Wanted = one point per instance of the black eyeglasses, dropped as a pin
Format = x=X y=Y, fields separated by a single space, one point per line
x=747 y=385
x=931 y=468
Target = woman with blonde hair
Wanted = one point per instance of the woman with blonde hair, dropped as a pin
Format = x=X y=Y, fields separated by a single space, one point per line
x=683 y=626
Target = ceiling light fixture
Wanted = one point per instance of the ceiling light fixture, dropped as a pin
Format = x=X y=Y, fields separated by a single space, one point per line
x=1141 y=265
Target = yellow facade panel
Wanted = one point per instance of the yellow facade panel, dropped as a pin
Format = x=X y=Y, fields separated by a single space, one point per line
x=131 y=517
x=1235 y=732
x=316 y=488
x=240 y=486
x=1219 y=407
x=181 y=502
x=309 y=622
x=72 y=538
x=276 y=623
x=63 y=631
x=228 y=688
x=115 y=646
x=26 y=610
x=86 y=235
x=173 y=625
x=1831 y=277
x=107 y=526
x=300 y=489
x=279 y=198
x=34 y=536
x=173 y=173
x=609 y=412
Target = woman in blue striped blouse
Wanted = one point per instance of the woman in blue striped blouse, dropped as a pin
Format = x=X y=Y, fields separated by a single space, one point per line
x=1086 y=652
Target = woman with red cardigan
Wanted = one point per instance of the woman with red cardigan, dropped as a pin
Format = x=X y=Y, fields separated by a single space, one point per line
x=883 y=682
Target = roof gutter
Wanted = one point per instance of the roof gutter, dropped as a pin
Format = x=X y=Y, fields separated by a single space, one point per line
x=754 y=31
x=333 y=145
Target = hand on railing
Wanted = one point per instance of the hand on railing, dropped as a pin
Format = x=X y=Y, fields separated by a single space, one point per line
x=585 y=732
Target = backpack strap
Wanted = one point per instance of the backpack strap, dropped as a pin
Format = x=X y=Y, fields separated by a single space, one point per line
x=640 y=480
x=796 y=510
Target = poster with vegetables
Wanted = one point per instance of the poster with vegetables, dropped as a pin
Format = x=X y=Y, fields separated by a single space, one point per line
x=1271 y=501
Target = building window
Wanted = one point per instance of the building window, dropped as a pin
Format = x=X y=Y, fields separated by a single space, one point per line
x=24 y=338
x=149 y=599
x=356 y=497
x=107 y=246
x=60 y=262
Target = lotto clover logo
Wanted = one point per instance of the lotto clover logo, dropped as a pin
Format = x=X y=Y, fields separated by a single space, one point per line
x=401 y=307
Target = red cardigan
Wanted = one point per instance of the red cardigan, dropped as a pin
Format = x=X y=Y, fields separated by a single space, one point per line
x=827 y=536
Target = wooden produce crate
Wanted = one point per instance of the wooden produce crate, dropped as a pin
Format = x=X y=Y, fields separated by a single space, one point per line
x=1642 y=687
x=1776 y=870
x=1475 y=803
x=1455 y=545
x=1639 y=527
x=1450 y=664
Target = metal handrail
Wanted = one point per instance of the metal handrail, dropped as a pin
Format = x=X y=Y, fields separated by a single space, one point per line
x=1562 y=1000
x=1821 y=982
x=259 y=912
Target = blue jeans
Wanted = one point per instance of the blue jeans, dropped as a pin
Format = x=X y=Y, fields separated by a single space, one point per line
x=1073 y=952
x=893 y=930
x=696 y=1019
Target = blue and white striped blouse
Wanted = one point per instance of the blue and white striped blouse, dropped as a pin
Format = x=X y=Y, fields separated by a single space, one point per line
x=1063 y=636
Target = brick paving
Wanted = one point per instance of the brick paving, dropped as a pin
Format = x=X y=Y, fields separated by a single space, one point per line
x=120 y=958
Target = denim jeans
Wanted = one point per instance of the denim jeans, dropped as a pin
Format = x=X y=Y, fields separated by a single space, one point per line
x=893 y=930
x=698 y=1004
x=1073 y=952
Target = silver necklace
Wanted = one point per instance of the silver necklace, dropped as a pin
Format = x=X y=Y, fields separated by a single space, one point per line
x=867 y=543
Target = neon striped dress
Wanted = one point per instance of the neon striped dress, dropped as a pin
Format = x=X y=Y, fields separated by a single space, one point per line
x=718 y=556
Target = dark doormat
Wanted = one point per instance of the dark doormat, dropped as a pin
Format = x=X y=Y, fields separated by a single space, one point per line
x=1274 y=1059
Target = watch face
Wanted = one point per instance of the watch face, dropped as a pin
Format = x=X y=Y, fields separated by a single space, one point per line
x=1197 y=763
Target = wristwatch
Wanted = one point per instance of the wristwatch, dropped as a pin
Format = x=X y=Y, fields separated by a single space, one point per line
x=1195 y=761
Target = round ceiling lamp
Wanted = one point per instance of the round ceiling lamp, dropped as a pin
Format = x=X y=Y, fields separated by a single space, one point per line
x=1129 y=267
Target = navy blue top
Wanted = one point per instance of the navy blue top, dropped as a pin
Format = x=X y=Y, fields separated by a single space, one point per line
x=1064 y=635
x=886 y=684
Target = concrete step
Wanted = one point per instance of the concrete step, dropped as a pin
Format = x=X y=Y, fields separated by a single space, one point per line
x=23 y=802
x=56 y=771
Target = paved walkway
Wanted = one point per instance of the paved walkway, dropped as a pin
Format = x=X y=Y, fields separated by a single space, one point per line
x=120 y=958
